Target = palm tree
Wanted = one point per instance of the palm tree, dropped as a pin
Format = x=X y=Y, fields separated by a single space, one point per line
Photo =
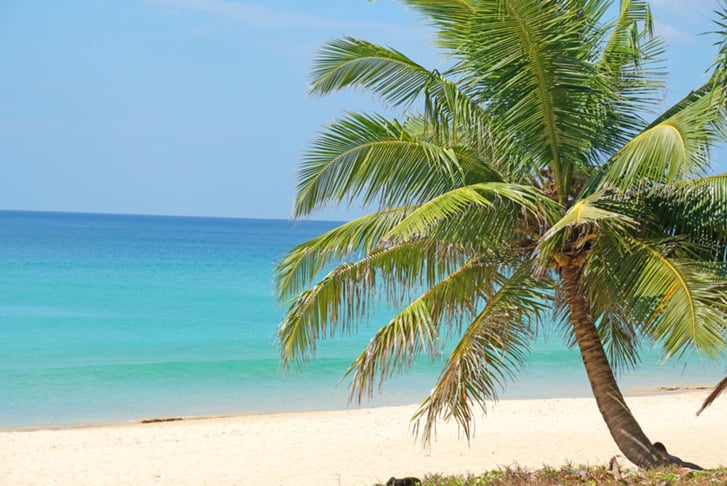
x=521 y=184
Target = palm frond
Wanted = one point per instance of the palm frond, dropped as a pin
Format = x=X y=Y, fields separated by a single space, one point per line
x=677 y=302
x=348 y=294
x=692 y=97
x=349 y=62
x=719 y=77
x=670 y=151
x=487 y=356
x=371 y=158
x=620 y=338
x=302 y=264
x=721 y=386
x=578 y=227
x=696 y=210
x=632 y=73
x=450 y=111
x=418 y=327
x=509 y=203
x=622 y=45
x=532 y=81
x=451 y=18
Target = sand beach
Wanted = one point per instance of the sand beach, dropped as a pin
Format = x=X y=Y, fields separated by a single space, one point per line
x=350 y=447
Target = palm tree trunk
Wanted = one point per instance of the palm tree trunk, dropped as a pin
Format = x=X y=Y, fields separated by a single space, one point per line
x=626 y=432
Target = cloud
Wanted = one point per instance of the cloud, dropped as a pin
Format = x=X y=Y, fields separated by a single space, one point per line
x=262 y=17
x=671 y=34
x=681 y=21
x=691 y=12
x=685 y=5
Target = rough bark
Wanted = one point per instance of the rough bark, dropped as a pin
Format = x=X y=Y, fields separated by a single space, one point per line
x=622 y=425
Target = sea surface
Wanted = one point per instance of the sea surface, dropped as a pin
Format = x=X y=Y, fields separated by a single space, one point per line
x=107 y=318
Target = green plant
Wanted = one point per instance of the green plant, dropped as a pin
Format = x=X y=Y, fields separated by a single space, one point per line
x=522 y=183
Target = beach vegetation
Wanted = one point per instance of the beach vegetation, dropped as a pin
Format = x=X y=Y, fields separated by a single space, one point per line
x=534 y=178
x=578 y=475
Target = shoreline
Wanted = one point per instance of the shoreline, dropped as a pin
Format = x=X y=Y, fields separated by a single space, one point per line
x=352 y=447
x=629 y=392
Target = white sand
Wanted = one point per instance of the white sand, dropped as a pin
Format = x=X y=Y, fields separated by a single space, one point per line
x=353 y=447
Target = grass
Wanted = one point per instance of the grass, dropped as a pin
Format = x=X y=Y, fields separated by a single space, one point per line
x=580 y=475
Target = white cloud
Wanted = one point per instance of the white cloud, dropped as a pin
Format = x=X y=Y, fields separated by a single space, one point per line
x=251 y=14
x=685 y=11
x=227 y=15
x=262 y=17
x=682 y=21
x=671 y=34
x=686 y=5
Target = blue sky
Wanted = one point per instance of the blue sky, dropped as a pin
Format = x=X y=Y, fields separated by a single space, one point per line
x=199 y=107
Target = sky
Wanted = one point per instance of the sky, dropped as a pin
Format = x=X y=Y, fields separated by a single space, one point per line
x=200 y=107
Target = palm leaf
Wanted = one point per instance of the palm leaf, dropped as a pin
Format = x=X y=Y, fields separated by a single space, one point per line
x=622 y=46
x=620 y=338
x=535 y=88
x=578 y=227
x=370 y=158
x=696 y=210
x=350 y=62
x=503 y=200
x=452 y=19
x=669 y=151
x=362 y=235
x=721 y=386
x=487 y=355
x=675 y=301
x=632 y=73
x=719 y=78
x=417 y=328
x=348 y=293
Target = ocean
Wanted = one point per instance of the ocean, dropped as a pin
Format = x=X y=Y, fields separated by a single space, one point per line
x=108 y=318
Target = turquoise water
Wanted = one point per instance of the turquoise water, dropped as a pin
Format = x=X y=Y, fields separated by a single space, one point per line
x=110 y=317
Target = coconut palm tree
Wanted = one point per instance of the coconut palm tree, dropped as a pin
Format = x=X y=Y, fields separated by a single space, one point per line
x=523 y=183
